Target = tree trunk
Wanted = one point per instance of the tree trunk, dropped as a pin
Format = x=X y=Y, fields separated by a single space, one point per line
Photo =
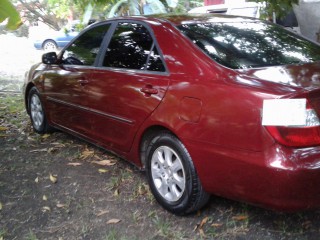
x=35 y=9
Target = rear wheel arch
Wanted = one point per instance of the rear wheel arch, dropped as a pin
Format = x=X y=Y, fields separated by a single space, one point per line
x=146 y=138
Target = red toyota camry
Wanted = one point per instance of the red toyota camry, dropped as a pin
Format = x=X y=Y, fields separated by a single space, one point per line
x=208 y=104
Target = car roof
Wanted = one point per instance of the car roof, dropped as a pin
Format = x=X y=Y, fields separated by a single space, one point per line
x=185 y=18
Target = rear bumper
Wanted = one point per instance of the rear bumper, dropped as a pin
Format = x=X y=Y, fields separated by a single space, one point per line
x=278 y=178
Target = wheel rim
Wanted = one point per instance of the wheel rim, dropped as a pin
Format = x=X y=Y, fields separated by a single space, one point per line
x=36 y=110
x=168 y=174
x=49 y=46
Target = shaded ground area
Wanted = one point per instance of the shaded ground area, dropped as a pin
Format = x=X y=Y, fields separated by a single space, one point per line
x=58 y=187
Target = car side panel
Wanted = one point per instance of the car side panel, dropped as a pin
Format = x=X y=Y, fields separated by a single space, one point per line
x=65 y=98
x=118 y=106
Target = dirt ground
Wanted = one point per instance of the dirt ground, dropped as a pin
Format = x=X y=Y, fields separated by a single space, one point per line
x=59 y=187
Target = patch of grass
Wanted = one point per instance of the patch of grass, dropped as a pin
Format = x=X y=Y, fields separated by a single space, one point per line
x=136 y=216
x=12 y=110
x=165 y=230
x=31 y=236
x=142 y=189
x=85 y=229
x=12 y=103
x=3 y=233
x=114 y=235
x=119 y=178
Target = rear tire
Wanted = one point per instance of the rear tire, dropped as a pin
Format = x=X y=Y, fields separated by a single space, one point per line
x=37 y=112
x=172 y=176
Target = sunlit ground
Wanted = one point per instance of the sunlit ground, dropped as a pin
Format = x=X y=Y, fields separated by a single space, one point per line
x=17 y=55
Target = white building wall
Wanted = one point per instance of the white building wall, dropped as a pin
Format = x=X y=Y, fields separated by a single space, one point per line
x=308 y=16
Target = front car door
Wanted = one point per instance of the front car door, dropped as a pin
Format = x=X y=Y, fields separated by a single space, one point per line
x=64 y=83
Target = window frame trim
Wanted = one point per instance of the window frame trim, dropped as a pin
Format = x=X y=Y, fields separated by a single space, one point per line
x=106 y=41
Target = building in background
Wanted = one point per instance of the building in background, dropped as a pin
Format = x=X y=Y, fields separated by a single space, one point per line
x=308 y=16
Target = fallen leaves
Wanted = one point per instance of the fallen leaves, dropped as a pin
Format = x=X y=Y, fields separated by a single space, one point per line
x=216 y=225
x=86 y=153
x=44 y=198
x=105 y=162
x=60 y=205
x=53 y=178
x=116 y=192
x=113 y=221
x=102 y=170
x=102 y=212
x=203 y=222
x=74 y=164
x=39 y=150
x=240 y=217
x=45 y=136
x=1 y=206
x=3 y=128
x=46 y=209
x=199 y=227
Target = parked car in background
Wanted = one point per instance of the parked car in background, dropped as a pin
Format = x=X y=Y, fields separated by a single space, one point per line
x=210 y=104
x=54 y=40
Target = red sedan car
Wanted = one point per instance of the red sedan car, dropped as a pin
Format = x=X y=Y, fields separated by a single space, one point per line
x=206 y=104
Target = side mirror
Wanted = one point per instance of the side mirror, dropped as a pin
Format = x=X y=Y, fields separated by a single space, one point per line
x=49 y=58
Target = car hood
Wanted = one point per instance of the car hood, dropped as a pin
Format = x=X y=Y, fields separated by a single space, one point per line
x=290 y=77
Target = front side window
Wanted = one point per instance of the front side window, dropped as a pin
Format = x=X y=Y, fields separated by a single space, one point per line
x=84 y=49
x=132 y=47
x=241 y=45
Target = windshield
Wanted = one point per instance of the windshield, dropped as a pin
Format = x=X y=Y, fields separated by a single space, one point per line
x=241 y=45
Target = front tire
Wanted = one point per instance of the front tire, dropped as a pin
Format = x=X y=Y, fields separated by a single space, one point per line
x=172 y=176
x=37 y=113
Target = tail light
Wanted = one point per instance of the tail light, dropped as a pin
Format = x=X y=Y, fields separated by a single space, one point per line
x=299 y=136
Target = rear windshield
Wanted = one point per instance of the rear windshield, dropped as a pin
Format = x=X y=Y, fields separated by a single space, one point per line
x=241 y=45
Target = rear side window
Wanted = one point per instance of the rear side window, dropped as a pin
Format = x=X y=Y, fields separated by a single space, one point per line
x=241 y=45
x=132 y=47
x=84 y=49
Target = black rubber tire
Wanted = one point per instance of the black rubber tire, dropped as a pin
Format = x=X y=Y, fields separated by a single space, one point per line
x=193 y=196
x=37 y=112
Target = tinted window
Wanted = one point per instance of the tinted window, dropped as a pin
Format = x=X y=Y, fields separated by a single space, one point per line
x=84 y=49
x=251 y=44
x=132 y=47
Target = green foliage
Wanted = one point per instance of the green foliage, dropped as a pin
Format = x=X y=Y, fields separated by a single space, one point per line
x=279 y=7
x=8 y=11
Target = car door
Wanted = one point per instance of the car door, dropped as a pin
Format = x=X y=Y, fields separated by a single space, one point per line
x=128 y=86
x=64 y=82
